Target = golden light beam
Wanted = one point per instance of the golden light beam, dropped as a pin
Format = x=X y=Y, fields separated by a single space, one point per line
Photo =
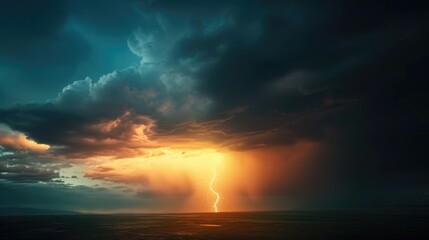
x=214 y=175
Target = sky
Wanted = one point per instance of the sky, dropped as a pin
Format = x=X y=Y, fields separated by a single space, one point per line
x=155 y=106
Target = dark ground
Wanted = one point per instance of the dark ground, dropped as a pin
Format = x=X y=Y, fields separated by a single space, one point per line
x=338 y=224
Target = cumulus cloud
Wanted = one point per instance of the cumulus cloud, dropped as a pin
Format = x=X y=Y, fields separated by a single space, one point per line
x=18 y=141
x=123 y=110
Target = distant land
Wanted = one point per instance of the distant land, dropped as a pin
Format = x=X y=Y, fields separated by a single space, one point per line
x=17 y=211
x=13 y=211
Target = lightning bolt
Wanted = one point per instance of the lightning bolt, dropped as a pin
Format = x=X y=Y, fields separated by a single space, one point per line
x=214 y=175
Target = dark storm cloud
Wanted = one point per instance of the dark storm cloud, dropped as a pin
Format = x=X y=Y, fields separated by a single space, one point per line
x=86 y=115
x=254 y=47
x=299 y=57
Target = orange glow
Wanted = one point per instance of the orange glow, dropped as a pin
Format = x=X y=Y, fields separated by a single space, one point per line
x=20 y=141
x=167 y=173
x=190 y=179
